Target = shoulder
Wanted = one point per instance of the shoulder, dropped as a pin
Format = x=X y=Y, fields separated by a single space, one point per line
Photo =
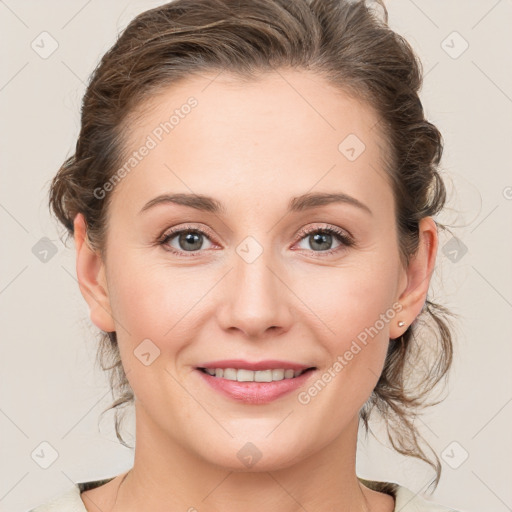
x=70 y=500
x=408 y=501
x=405 y=499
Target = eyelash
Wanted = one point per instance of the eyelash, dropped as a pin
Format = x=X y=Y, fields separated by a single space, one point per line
x=342 y=236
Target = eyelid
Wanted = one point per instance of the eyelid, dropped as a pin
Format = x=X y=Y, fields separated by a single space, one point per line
x=201 y=228
x=342 y=233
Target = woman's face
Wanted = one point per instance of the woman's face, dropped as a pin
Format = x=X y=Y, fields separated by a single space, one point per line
x=256 y=278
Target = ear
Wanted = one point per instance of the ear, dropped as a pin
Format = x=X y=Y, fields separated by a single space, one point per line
x=417 y=277
x=90 y=271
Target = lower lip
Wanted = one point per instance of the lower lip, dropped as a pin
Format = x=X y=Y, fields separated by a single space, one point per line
x=255 y=392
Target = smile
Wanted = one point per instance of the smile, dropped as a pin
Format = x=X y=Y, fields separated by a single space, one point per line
x=254 y=387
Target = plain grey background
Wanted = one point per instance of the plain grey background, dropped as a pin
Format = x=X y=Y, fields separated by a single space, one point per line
x=50 y=391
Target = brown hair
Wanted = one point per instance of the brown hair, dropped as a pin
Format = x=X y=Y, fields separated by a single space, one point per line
x=351 y=46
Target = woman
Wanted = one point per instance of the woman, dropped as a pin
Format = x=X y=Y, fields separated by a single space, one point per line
x=252 y=200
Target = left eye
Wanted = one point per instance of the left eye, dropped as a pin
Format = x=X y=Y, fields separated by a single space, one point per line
x=321 y=240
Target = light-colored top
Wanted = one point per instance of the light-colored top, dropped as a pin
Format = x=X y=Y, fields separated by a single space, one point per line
x=405 y=500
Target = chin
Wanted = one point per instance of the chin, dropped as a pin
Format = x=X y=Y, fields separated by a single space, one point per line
x=251 y=458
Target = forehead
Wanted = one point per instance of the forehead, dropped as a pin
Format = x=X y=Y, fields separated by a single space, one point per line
x=287 y=131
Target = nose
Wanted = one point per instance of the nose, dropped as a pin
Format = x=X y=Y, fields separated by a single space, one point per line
x=257 y=300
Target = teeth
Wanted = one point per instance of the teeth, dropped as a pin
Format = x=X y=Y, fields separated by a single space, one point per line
x=253 y=376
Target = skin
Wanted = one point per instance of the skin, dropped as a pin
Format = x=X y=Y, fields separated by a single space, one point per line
x=252 y=147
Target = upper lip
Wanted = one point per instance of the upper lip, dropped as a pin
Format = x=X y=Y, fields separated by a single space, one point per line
x=268 y=364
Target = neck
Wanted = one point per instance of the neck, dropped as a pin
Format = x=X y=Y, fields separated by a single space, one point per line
x=167 y=474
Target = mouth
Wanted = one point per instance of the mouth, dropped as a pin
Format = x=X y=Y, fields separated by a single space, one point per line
x=255 y=387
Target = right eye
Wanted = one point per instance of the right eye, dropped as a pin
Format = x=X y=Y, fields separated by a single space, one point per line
x=184 y=240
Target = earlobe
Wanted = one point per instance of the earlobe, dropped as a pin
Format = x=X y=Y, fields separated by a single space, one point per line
x=418 y=272
x=90 y=272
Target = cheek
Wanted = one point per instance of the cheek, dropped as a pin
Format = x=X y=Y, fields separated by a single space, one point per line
x=349 y=299
x=360 y=315
x=149 y=298
x=150 y=305
x=353 y=307
x=157 y=310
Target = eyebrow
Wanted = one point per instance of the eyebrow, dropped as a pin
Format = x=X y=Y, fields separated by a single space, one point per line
x=296 y=204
